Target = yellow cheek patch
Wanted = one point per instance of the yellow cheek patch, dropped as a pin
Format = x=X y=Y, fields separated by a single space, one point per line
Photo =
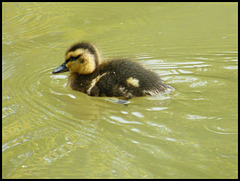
x=82 y=68
x=73 y=66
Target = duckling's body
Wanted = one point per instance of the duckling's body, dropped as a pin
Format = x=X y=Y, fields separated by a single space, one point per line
x=111 y=78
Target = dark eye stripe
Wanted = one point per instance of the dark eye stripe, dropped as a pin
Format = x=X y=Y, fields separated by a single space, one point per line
x=77 y=57
x=72 y=58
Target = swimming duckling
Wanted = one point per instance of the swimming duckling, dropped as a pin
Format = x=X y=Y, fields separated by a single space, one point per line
x=111 y=78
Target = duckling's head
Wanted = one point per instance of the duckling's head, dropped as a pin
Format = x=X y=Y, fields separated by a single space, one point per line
x=81 y=58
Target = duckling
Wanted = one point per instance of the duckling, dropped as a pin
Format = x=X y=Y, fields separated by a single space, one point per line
x=112 y=78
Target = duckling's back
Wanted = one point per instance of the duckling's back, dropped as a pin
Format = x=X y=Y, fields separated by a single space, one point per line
x=125 y=78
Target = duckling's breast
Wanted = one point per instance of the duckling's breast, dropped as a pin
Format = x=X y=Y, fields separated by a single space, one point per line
x=80 y=82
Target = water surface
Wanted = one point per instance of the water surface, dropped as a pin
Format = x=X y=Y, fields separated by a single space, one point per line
x=51 y=131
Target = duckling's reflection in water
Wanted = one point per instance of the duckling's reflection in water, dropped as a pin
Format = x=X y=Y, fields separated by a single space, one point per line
x=123 y=101
x=111 y=78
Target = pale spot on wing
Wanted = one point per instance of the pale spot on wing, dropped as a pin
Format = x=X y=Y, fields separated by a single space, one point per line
x=133 y=81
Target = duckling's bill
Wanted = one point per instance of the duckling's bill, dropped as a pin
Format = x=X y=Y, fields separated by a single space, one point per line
x=61 y=68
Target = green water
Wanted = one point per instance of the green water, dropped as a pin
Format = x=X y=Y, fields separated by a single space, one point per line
x=51 y=131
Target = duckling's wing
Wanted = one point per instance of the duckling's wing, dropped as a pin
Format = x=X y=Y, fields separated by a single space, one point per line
x=124 y=78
